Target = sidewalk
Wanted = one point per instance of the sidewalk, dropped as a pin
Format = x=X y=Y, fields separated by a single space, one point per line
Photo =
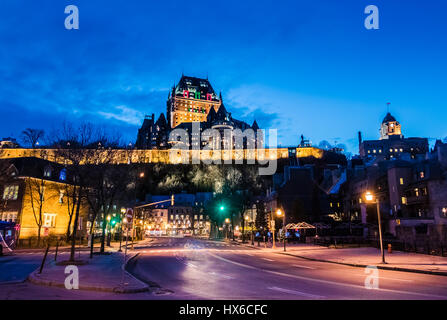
x=102 y=273
x=365 y=256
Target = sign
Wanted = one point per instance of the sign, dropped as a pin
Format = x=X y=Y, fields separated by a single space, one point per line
x=129 y=215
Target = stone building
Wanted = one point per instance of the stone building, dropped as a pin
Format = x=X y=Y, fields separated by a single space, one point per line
x=193 y=102
x=29 y=184
x=392 y=144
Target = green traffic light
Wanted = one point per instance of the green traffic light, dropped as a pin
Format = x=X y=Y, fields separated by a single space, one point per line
x=222 y=208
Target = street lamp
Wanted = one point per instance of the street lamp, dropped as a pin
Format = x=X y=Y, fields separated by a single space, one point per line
x=280 y=213
x=369 y=197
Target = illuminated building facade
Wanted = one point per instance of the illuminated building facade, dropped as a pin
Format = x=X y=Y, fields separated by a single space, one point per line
x=392 y=143
x=193 y=101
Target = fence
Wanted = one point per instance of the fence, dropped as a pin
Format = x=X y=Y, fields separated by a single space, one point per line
x=423 y=247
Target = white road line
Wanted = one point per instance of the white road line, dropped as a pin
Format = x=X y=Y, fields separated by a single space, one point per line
x=305 y=267
x=298 y=293
x=268 y=259
x=327 y=281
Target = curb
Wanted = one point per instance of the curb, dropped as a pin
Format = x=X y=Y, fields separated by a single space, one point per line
x=34 y=278
x=357 y=265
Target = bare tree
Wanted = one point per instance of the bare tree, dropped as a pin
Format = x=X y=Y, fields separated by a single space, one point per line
x=31 y=136
x=84 y=150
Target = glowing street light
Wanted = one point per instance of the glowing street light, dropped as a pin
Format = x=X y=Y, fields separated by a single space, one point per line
x=371 y=198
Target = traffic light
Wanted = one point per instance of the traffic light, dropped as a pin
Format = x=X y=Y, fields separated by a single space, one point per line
x=222 y=208
x=114 y=222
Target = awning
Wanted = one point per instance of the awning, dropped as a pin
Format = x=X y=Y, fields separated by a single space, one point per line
x=300 y=225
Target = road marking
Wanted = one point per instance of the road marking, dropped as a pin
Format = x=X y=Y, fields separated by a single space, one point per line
x=298 y=293
x=326 y=281
x=268 y=259
x=249 y=254
x=305 y=267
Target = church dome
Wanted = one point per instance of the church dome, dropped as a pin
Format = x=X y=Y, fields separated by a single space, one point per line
x=388 y=118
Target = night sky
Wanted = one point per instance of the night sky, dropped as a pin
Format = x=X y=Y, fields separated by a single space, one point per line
x=303 y=67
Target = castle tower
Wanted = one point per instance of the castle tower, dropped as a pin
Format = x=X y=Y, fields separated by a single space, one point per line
x=190 y=101
x=390 y=127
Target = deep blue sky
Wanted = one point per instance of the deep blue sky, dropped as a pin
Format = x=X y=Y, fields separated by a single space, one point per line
x=300 y=66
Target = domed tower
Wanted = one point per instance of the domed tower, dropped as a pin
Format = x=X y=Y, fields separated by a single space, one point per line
x=390 y=127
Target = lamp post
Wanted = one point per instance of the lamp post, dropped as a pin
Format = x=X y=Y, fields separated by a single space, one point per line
x=273 y=229
x=369 y=197
x=123 y=211
x=280 y=213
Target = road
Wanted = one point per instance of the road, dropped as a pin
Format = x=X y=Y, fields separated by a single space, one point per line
x=198 y=269
x=186 y=268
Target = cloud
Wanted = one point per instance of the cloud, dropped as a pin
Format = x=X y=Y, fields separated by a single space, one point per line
x=125 y=114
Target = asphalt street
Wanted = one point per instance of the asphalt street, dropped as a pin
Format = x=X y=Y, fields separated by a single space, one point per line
x=187 y=268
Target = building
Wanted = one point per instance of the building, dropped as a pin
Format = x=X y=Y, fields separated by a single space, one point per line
x=392 y=144
x=35 y=190
x=153 y=134
x=193 y=101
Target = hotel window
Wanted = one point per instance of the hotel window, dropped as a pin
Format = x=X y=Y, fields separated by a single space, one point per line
x=49 y=220
x=11 y=192
x=47 y=172
x=401 y=181
x=404 y=200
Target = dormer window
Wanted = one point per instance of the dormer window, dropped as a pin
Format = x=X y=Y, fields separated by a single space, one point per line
x=47 y=172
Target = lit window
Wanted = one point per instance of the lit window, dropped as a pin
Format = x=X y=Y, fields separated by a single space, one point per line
x=401 y=180
x=422 y=174
x=404 y=200
x=49 y=220
x=416 y=192
x=11 y=192
x=444 y=212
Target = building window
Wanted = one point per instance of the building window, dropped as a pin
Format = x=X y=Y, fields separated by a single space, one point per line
x=416 y=192
x=404 y=200
x=401 y=181
x=443 y=212
x=47 y=172
x=49 y=220
x=422 y=174
x=11 y=192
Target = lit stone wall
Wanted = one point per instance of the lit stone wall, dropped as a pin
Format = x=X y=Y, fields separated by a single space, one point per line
x=171 y=156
